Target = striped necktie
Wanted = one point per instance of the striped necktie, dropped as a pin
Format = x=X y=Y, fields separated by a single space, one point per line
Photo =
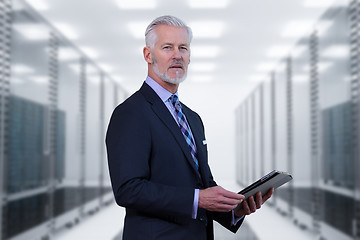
x=184 y=127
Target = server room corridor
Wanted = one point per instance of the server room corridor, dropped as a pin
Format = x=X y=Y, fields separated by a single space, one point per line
x=276 y=84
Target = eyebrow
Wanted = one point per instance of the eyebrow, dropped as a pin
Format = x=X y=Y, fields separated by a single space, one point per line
x=182 y=44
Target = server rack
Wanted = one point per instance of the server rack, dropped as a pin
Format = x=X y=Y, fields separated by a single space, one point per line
x=280 y=100
x=5 y=36
x=354 y=13
x=335 y=152
x=253 y=137
x=325 y=77
x=256 y=135
x=301 y=160
x=315 y=137
x=38 y=195
x=238 y=142
x=261 y=130
x=267 y=123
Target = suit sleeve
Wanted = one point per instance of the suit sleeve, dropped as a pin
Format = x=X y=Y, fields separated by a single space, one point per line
x=128 y=143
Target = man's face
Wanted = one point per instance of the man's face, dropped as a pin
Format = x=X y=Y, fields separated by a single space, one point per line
x=171 y=53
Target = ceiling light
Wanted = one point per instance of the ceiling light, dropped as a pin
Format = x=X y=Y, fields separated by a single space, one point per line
x=300 y=78
x=278 y=51
x=201 y=78
x=21 y=69
x=39 y=5
x=296 y=29
x=318 y=3
x=33 y=32
x=107 y=67
x=117 y=79
x=208 y=3
x=207 y=29
x=258 y=78
x=266 y=66
x=202 y=67
x=90 y=52
x=40 y=79
x=210 y=51
x=136 y=4
x=67 y=30
x=336 y=51
x=137 y=29
x=67 y=53
x=94 y=79
x=322 y=66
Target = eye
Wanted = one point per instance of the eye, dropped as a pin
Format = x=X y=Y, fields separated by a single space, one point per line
x=166 y=47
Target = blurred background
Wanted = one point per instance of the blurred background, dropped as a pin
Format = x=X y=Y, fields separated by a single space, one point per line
x=275 y=82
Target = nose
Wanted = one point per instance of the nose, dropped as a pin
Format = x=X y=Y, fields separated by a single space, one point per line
x=177 y=54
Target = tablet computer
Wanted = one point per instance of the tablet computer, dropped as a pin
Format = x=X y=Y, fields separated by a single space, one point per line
x=273 y=179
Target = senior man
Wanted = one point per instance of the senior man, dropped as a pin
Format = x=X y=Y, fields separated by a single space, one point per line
x=157 y=152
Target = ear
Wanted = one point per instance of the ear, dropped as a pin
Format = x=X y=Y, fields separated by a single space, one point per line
x=147 y=55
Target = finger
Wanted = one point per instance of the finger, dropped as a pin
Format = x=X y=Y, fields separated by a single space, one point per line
x=259 y=200
x=229 y=201
x=225 y=207
x=246 y=208
x=232 y=195
x=252 y=204
x=268 y=195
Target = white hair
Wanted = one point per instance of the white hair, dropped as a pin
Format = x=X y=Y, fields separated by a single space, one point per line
x=150 y=34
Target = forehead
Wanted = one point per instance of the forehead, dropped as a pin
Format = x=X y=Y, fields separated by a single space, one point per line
x=171 y=34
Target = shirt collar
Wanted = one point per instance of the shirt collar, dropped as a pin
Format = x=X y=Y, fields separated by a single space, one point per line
x=160 y=91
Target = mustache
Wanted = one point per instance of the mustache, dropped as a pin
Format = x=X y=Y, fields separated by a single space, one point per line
x=176 y=63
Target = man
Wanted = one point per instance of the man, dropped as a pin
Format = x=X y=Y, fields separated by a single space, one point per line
x=157 y=152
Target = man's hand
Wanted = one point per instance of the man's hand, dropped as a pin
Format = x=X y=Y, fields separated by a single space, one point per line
x=217 y=199
x=250 y=205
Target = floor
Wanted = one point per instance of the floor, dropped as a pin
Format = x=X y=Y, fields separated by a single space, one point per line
x=264 y=224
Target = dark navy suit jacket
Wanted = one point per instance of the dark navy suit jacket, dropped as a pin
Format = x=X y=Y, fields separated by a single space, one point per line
x=153 y=174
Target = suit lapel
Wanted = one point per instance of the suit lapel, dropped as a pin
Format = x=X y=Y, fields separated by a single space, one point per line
x=165 y=116
x=198 y=136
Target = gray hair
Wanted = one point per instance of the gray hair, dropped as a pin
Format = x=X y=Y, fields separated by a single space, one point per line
x=150 y=34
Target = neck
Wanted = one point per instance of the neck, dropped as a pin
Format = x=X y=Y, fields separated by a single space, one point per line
x=168 y=86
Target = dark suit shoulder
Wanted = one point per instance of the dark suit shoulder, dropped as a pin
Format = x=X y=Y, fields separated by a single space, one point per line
x=144 y=96
x=134 y=101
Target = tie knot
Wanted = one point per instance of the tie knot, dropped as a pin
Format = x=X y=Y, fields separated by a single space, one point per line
x=175 y=102
x=174 y=99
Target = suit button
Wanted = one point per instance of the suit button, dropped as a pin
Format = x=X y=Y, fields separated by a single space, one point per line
x=203 y=220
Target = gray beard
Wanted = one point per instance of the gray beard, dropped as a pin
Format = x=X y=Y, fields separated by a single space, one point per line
x=165 y=77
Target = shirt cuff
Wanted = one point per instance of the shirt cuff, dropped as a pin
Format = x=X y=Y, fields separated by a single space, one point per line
x=235 y=219
x=195 y=204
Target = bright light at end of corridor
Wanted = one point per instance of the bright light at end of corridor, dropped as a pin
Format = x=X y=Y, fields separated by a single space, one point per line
x=136 y=4
x=208 y=4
